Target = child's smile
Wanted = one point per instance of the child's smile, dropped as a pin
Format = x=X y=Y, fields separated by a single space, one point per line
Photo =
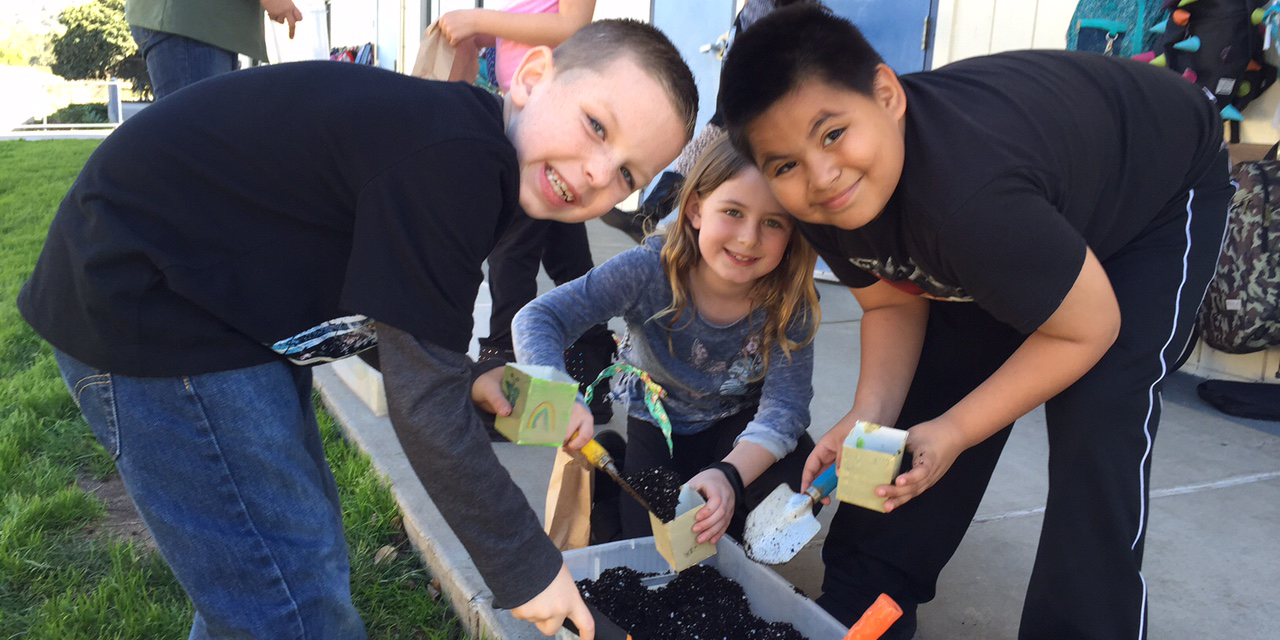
x=555 y=187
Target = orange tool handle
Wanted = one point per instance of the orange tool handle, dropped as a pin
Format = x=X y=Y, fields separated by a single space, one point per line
x=875 y=620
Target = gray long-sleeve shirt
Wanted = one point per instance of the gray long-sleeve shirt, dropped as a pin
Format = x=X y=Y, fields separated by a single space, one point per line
x=707 y=370
x=429 y=397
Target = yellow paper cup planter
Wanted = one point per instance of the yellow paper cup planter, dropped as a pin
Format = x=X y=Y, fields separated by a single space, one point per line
x=541 y=400
x=675 y=540
x=872 y=456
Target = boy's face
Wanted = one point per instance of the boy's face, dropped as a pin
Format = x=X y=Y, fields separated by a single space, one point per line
x=586 y=139
x=832 y=155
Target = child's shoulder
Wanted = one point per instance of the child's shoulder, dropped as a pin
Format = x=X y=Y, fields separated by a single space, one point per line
x=641 y=261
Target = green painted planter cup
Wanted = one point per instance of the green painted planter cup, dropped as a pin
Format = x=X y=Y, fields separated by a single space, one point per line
x=541 y=400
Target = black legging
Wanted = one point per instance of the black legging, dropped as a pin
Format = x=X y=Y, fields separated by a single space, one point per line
x=646 y=449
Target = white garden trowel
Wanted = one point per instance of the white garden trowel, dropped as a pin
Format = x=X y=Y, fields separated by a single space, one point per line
x=783 y=523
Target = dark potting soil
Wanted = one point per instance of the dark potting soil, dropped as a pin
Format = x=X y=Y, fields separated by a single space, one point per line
x=660 y=488
x=699 y=604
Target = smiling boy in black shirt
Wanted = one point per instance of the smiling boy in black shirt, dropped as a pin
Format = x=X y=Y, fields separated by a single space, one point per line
x=265 y=219
x=1024 y=228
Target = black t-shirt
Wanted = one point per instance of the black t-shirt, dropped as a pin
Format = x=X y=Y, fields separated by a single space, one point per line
x=1014 y=163
x=273 y=212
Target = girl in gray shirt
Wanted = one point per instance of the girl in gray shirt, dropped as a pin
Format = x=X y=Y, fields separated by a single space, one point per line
x=720 y=313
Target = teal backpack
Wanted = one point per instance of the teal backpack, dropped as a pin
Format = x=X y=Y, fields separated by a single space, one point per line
x=1114 y=27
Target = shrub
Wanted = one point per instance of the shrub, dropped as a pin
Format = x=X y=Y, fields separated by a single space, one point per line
x=89 y=113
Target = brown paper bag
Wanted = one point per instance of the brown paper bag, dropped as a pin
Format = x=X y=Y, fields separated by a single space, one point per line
x=568 y=514
x=437 y=60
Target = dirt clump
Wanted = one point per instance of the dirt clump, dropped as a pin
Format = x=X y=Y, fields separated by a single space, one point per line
x=660 y=488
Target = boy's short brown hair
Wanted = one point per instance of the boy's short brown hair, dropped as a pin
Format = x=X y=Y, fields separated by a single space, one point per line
x=603 y=41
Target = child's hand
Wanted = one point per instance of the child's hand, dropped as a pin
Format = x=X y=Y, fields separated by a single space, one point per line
x=486 y=392
x=826 y=452
x=582 y=426
x=713 y=519
x=459 y=25
x=934 y=446
x=559 y=600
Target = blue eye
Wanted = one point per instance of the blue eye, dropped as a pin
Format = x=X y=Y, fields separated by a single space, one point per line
x=783 y=168
x=832 y=136
x=771 y=222
x=733 y=213
x=628 y=178
x=596 y=126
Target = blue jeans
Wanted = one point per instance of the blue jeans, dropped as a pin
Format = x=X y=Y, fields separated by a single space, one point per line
x=228 y=472
x=175 y=61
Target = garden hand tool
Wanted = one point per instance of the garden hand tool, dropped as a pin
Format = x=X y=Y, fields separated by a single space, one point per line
x=606 y=629
x=875 y=620
x=783 y=523
x=600 y=459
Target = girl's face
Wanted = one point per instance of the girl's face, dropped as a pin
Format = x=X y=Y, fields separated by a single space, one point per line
x=743 y=231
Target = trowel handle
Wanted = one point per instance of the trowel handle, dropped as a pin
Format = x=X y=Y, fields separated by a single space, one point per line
x=596 y=454
x=824 y=484
x=606 y=629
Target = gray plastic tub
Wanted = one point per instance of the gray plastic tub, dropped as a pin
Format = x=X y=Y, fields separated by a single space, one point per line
x=771 y=597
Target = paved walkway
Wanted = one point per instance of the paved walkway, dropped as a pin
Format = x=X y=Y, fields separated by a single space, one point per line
x=1212 y=555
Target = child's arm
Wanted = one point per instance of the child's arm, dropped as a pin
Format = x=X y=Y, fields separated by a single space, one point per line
x=533 y=29
x=544 y=327
x=1057 y=354
x=893 y=325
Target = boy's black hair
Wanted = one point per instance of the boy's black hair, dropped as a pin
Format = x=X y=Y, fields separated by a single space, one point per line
x=782 y=50
x=601 y=42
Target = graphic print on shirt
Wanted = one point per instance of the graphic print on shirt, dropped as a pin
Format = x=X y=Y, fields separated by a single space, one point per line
x=909 y=277
x=330 y=340
x=747 y=367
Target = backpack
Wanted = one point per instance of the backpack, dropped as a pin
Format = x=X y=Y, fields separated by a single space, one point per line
x=1241 y=310
x=1114 y=27
x=1217 y=44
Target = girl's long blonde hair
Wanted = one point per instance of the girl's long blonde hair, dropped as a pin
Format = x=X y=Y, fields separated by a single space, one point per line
x=785 y=294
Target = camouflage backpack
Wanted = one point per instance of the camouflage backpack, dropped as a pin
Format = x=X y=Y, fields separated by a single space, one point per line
x=1241 y=310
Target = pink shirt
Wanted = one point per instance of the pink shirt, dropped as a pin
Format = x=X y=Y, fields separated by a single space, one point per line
x=510 y=53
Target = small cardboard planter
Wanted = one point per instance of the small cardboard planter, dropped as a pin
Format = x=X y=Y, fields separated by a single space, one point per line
x=541 y=400
x=872 y=456
x=675 y=540
x=770 y=596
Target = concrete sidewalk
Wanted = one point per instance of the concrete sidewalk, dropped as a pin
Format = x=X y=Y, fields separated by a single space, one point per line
x=1212 y=560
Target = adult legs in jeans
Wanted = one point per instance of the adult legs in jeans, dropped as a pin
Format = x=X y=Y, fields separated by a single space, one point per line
x=901 y=553
x=228 y=472
x=647 y=449
x=175 y=61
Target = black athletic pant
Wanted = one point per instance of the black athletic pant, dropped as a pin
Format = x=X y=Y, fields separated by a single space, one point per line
x=560 y=247
x=1087 y=580
x=647 y=449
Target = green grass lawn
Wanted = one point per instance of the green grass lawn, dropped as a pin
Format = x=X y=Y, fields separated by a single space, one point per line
x=57 y=582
